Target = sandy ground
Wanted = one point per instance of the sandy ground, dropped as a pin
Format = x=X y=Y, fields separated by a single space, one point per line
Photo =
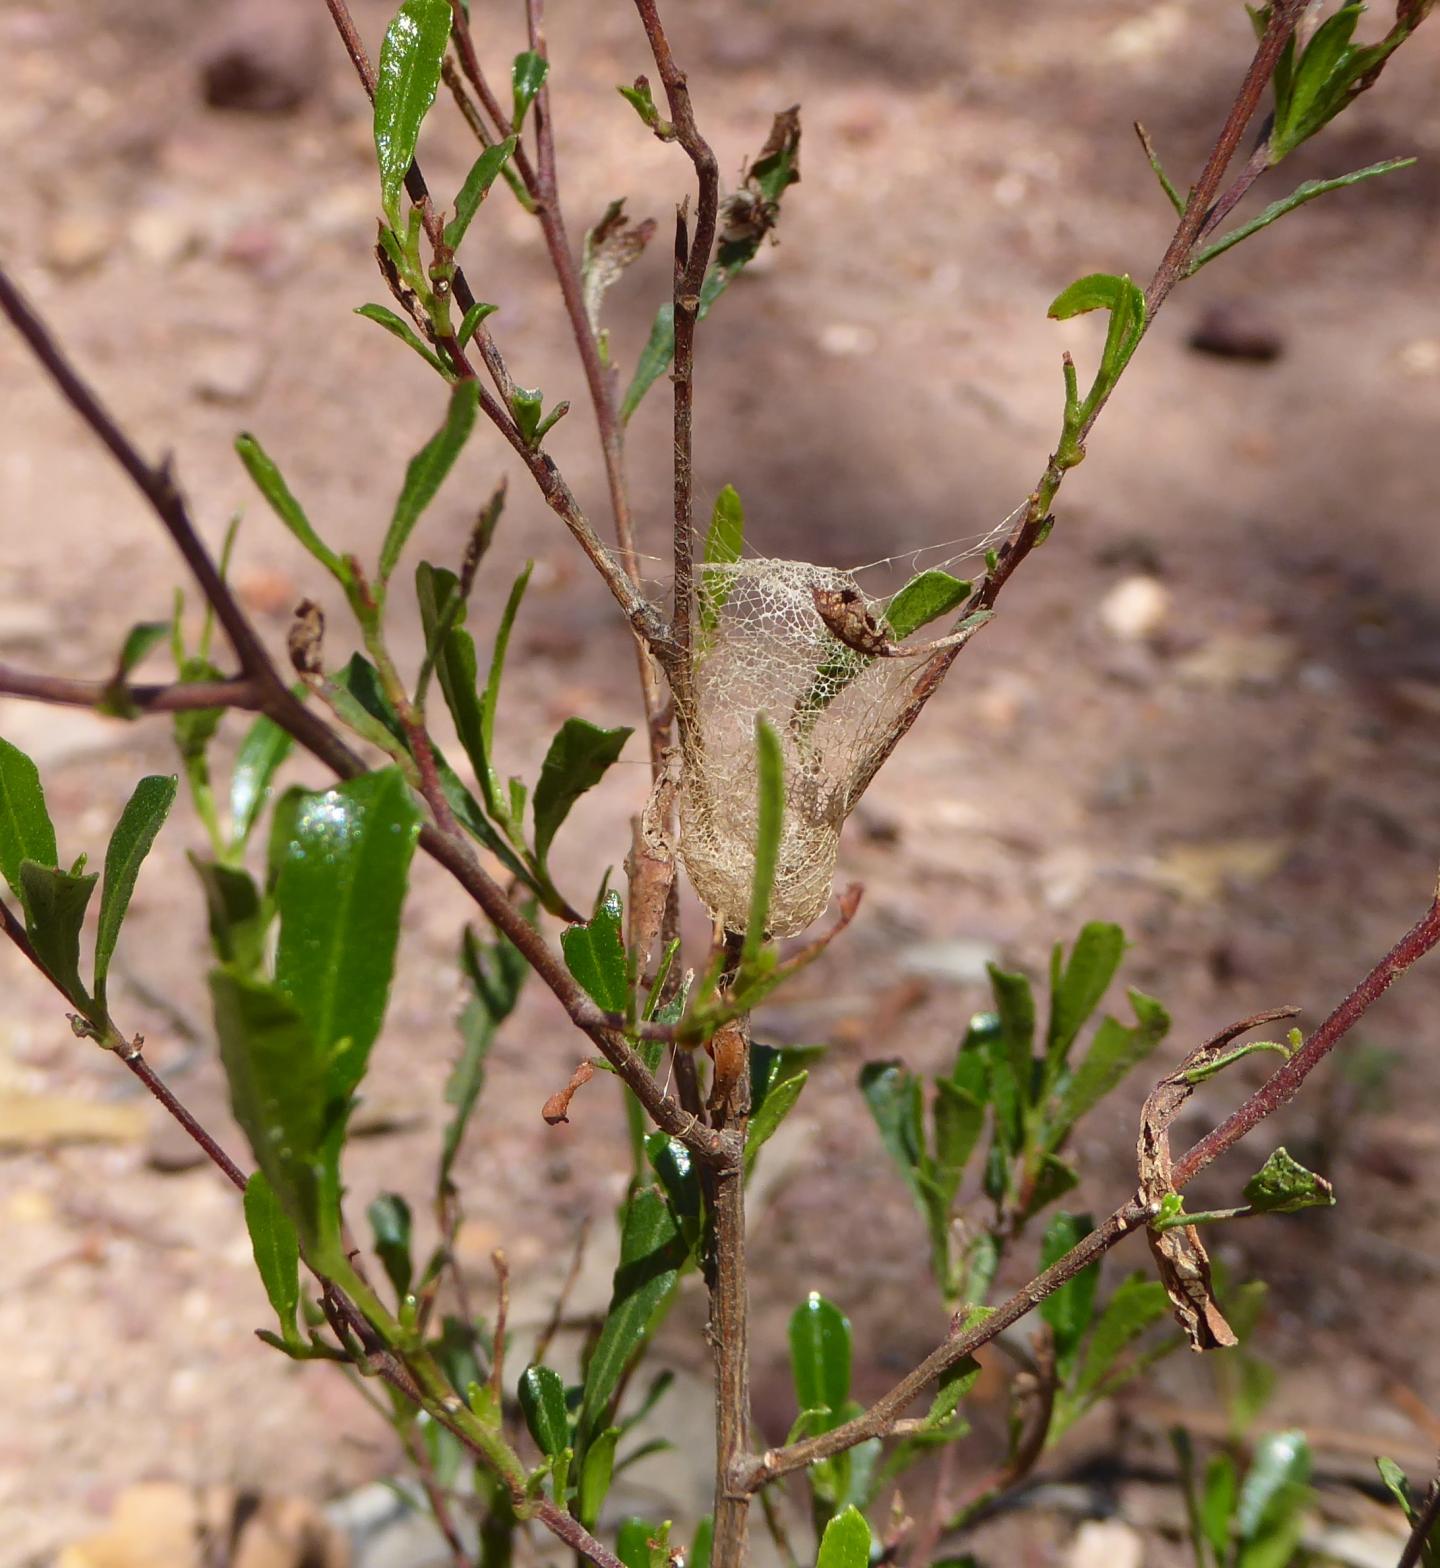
x=1248 y=787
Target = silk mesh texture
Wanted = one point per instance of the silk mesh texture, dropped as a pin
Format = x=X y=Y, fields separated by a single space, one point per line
x=762 y=649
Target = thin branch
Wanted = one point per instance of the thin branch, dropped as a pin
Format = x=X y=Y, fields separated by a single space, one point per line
x=1426 y=1521
x=1194 y=224
x=542 y=185
x=277 y=701
x=176 y=697
x=692 y=258
x=1278 y=1090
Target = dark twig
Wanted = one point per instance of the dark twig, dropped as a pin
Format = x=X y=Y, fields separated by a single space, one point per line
x=1278 y=1090
x=176 y=697
x=692 y=258
x=1426 y=1521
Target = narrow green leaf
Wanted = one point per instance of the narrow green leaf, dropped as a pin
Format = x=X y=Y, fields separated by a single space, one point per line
x=139 y=640
x=702 y=1543
x=765 y=1122
x=923 y=599
x=671 y=1162
x=277 y=1253
x=1113 y=1052
x=339 y=890
x=820 y=1358
x=271 y=484
x=405 y=86
x=134 y=833
x=595 y=955
x=283 y=1094
x=1077 y=989
x=641 y=100
x=239 y=918
x=26 y=832
x=1398 y=1487
x=1172 y=195
x=398 y=327
x=495 y=973
x=1217 y=1504
x=724 y=544
x=577 y=760
x=1126 y=304
x=769 y=823
x=389 y=1216
x=477 y=185
x=527 y=77
x=846 y=1542
x=490 y=701
x=456 y=669
x=54 y=903
x=652 y=1252
x=636 y=1543
x=263 y=749
x=1015 y=1008
x=472 y=319
x=1319 y=71
x=1297 y=198
x=542 y=1399
x=1052 y=1179
x=895 y=1098
x=1272 y=1500
x=654 y=360
x=1137 y=1303
x=1069 y=1310
x=959 y=1118
x=428 y=468
x=1283 y=1186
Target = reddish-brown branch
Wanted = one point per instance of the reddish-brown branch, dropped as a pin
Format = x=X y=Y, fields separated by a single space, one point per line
x=176 y=697
x=1278 y=1090
x=1426 y=1521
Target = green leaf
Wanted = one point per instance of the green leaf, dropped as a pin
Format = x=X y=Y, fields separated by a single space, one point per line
x=456 y=668
x=389 y=1216
x=641 y=100
x=1217 y=1504
x=339 y=890
x=724 y=544
x=846 y=1542
x=652 y=1252
x=671 y=1162
x=1283 y=1186
x=472 y=319
x=654 y=360
x=959 y=1118
x=596 y=1472
x=284 y=1097
x=55 y=903
x=595 y=956
x=239 y=918
x=1053 y=1178
x=139 y=640
x=577 y=760
x=490 y=701
x=1273 y=1498
x=1126 y=304
x=896 y=1101
x=1137 y=1303
x=398 y=327
x=1070 y=1309
x=1076 y=990
x=702 y=1543
x=477 y=185
x=271 y=484
x=1395 y=1483
x=405 y=86
x=527 y=77
x=1015 y=1008
x=428 y=468
x=1297 y=198
x=26 y=832
x=495 y=973
x=765 y=1121
x=262 y=751
x=820 y=1358
x=924 y=599
x=769 y=822
x=277 y=1253
x=1113 y=1052
x=542 y=1399
x=134 y=833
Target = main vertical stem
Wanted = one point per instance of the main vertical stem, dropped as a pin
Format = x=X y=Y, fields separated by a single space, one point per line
x=729 y=1333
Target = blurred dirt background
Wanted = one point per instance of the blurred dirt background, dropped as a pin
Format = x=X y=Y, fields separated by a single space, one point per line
x=1209 y=709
